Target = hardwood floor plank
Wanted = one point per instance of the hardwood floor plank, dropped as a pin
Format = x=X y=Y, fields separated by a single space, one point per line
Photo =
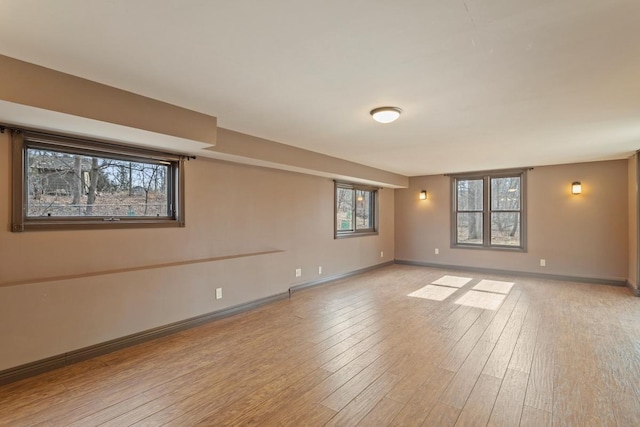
x=456 y=357
x=318 y=416
x=355 y=350
x=442 y=416
x=540 y=387
x=262 y=403
x=405 y=389
x=382 y=414
x=424 y=399
x=626 y=409
x=533 y=417
x=308 y=400
x=582 y=392
x=364 y=402
x=508 y=405
x=343 y=395
x=493 y=332
x=478 y=407
x=525 y=345
x=501 y=355
x=460 y=387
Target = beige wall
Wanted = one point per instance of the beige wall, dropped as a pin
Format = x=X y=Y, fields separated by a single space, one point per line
x=581 y=236
x=633 y=220
x=61 y=291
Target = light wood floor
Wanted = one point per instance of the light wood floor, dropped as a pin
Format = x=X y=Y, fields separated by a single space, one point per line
x=361 y=352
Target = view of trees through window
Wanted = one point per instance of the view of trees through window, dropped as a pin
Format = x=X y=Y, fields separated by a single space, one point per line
x=344 y=203
x=470 y=211
x=354 y=210
x=503 y=210
x=66 y=185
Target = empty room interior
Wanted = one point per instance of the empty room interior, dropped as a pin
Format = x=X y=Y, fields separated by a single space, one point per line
x=319 y=213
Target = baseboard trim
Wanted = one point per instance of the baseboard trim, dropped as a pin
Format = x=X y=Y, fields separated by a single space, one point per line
x=45 y=365
x=335 y=278
x=635 y=290
x=595 y=280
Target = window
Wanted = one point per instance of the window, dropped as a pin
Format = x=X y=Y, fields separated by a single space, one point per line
x=66 y=183
x=355 y=210
x=488 y=210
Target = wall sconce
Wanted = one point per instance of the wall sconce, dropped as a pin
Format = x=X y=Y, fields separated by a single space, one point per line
x=423 y=195
x=576 y=187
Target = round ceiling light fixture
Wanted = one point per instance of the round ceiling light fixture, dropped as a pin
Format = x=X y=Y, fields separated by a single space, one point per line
x=385 y=114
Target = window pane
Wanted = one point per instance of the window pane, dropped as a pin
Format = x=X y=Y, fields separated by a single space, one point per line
x=505 y=193
x=505 y=228
x=71 y=185
x=470 y=228
x=344 y=209
x=469 y=194
x=363 y=210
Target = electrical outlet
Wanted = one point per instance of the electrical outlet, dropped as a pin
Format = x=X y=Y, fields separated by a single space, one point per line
x=319 y=270
x=298 y=272
x=437 y=251
x=218 y=293
x=543 y=262
x=381 y=254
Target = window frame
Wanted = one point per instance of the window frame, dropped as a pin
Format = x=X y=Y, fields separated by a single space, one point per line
x=486 y=177
x=373 y=201
x=22 y=140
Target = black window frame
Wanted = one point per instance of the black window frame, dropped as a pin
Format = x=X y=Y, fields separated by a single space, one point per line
x=486 y=177
x=22 y=140
x=373 y=209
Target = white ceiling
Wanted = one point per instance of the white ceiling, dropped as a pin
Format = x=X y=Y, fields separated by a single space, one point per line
x=484 y=84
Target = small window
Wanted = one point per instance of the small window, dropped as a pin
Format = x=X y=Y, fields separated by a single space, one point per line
x=355 y=210
x=488 y=210
x=66 y=183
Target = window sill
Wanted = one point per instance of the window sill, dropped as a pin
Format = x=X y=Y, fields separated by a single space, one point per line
x=94 y=225
x=491 y=248
x=356 y=234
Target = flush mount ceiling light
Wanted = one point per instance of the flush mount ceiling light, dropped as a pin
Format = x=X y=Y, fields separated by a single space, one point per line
x=385 y=114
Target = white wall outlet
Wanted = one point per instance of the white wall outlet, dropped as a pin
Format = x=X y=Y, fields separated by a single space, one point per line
x=437 y=251
x=543 y=262
x=298 y=272
x=319 y=270
x=381 y=254
x=218 y=293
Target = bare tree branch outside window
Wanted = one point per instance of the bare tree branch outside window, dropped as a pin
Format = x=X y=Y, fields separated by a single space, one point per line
x=62 y=184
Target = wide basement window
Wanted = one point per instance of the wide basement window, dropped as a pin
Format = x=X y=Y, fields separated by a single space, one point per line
x=67 y=183
x=355 y=210
x=488 y=210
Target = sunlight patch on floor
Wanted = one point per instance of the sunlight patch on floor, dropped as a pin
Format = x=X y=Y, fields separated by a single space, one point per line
x=436 y=293
x=452 y=281
x=494 y=286
x=481 y=300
